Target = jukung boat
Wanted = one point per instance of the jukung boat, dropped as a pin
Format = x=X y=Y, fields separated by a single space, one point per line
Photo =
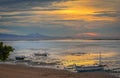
x=89 y=68
x=44 y=54
x=20 y=57
x=41 y=54
x=98 y=67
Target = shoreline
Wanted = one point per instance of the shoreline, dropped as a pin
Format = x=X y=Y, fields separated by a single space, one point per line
x=22 y=71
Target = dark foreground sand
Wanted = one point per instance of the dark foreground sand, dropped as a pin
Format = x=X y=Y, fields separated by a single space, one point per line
x=18 y=71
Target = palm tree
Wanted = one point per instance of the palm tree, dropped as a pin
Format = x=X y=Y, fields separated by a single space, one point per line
x=5 y=51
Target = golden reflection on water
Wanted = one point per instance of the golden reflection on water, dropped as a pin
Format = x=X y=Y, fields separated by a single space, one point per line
x=85 y=59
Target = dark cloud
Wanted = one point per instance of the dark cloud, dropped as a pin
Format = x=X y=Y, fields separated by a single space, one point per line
x=23 y=8
x=23 y=5
x=107 y=13
x=5 y=2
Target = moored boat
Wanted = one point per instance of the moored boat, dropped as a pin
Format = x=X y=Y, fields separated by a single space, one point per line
x=98 y=67
x=40 y=54
x=20 y=57
x=89 y=68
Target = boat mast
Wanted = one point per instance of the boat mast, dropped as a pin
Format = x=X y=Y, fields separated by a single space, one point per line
x=100 y=58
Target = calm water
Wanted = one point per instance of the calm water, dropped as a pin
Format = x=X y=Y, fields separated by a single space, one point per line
x=68 y=52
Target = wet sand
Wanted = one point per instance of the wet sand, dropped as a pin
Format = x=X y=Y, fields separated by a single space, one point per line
x=19 y=71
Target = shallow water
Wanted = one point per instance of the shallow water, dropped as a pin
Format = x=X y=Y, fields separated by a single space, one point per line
x=68 y=52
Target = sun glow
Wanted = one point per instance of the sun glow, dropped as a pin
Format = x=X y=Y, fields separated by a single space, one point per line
x=73 y=10
x=79 y=10
x=85 y=59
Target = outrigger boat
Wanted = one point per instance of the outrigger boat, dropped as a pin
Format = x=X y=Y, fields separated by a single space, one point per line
x=44 y=54
x=92 y=68
x=89 y=68
x=20 y=58
x=41 y=54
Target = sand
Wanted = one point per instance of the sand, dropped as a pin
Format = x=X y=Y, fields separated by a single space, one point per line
x=19 y=71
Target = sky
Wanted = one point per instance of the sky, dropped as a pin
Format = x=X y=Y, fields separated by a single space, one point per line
x=62 y=18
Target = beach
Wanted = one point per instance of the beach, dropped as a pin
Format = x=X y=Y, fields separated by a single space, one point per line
x=21 y=71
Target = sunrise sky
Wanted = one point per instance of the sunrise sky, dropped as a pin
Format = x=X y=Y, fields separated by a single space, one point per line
x=62 y=18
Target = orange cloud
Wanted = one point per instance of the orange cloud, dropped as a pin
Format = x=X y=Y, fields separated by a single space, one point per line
x=91 y=34
x=72 y=10
x=80 y=10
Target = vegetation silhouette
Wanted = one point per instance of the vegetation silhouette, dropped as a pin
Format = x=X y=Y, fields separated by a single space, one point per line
x=5 y=51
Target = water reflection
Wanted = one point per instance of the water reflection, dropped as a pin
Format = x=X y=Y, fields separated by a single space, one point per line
x=86 y=59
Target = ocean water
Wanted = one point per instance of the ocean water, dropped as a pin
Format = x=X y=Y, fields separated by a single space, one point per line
x=69 y=52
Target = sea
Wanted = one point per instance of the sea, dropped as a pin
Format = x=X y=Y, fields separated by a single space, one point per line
x=68 y=52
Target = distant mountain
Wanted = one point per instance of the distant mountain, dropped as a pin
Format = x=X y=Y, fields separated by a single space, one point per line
x=36 y=36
